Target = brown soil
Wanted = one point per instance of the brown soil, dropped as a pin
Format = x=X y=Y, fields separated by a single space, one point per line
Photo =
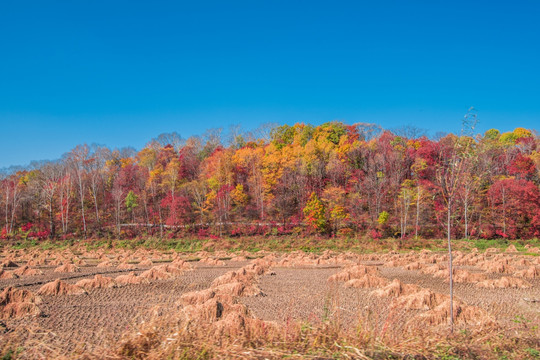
x=71 y=323
x=386 y=291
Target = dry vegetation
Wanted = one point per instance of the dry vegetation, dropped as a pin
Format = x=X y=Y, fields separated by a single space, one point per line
x=142 y=303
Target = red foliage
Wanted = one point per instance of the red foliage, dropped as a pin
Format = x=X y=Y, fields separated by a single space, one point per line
x=179 y=209
x=516 y=206
x=522 y=167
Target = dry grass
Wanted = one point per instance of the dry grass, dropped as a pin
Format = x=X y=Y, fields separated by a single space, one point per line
x=212 y=323
x=59 y=287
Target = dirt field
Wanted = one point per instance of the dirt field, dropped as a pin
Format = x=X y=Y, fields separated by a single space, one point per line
x=288 y=288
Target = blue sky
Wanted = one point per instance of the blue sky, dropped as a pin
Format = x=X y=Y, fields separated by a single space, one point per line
x=121 y=72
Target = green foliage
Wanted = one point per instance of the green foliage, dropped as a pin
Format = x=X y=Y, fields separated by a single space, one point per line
x=492 y=134
x=282 y=136
x=533 y=352
x=332 y=131
x=510 y=138
x=383 y=218
x=131 y=201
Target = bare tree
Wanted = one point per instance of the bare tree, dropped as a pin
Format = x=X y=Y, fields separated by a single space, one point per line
x=94 y=168
x=263 y=132
x=11 y=195
x=236 y=137
x=49 y=179
x=212 y=139
x=174 y=139
x=409 y=132
x=449 y=176
x=77 y=159
x=198 y=190
x=118 y=196
x=64 y=196
x=368 y=131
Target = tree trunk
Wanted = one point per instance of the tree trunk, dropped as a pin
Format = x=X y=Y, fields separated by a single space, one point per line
x=81 y=192
x=51 y=220
x=450 y=267
x=417 y=211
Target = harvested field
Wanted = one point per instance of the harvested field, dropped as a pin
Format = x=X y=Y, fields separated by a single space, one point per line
x=96 y=305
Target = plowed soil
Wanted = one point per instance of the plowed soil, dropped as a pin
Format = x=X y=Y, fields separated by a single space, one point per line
x=75 y=324
x=79 y=323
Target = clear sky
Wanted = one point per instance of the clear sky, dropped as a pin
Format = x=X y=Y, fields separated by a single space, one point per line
x=118 y=73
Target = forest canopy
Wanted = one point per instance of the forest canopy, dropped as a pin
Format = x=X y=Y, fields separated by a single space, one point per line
x=333 y=180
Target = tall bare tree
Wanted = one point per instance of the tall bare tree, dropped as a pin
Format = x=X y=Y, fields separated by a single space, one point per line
x=77 y=159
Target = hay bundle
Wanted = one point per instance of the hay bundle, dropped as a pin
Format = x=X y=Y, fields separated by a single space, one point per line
x=497 y=267
x=56 y=262
x=413 y=266
x=130 y=278
x=59 y=287
x=469 y=259
x=67 y=268
x=511 y=249
x=170 y=269
x=80 y=262
x=522 y=262
x=98 y=282
x=464 y=276
x=232 y=289
x=433 y=269
x=155 y=274
x=367 y=281
x=36 y=262
x=238 y=289
x=394 y=263
x=7 y=274
x=258 y=267
x=197 y=297
x=179 y=263
x=395 y=289
x=146 y=262
x=210 y=261
x=232 y=324
x=8 y=264
x=424 y=299
x=27 y=271
x=530 y=273
x=209 y=311
x=16 y=303
x=126 y=266
x=354 y=272
x=16 y=310
x=463 y=314
x=241 y=275
x=104 y=264
x=504 y=283
x=11 y=295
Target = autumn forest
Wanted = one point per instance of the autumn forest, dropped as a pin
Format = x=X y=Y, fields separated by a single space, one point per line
x=331 y=180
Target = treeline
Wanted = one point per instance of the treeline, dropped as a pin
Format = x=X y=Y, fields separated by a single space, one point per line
x=333 y=179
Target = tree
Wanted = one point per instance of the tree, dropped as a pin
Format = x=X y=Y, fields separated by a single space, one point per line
x=315 y=214
x=64 y=196
x=49 y=178
x=131 y=203
x=13 y=188
x=117 y=195
x=77 y=159
x=94 y=168
x=455 y=151
x=518 y=197
x=406 y=197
